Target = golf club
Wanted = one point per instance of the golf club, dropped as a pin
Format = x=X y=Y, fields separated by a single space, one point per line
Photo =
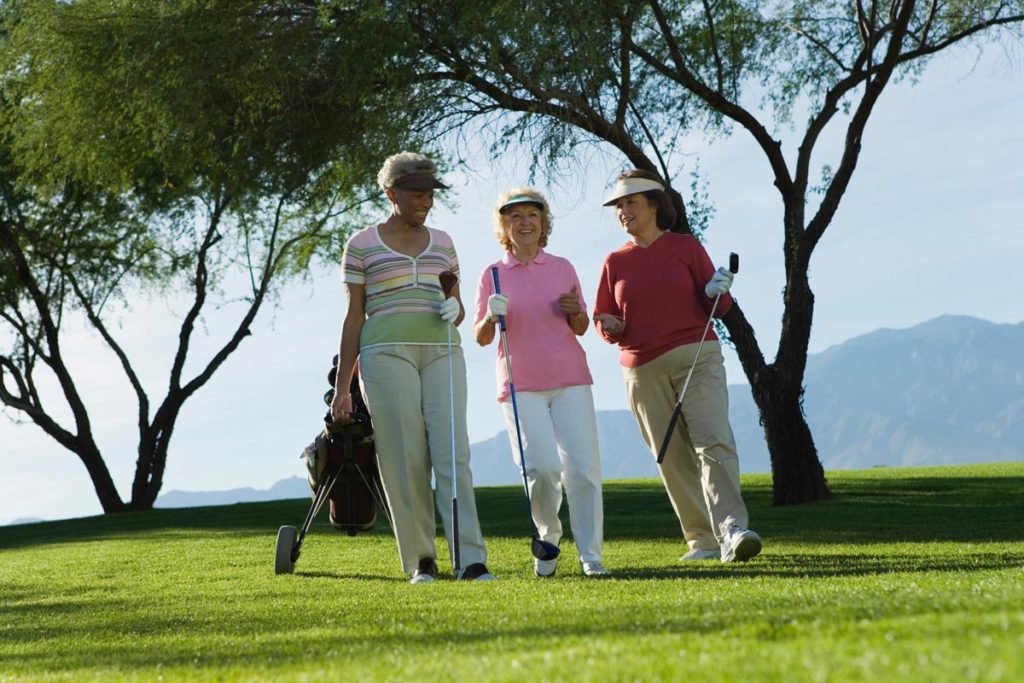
x=448 y=281
x=542 y=550
x=734 y=267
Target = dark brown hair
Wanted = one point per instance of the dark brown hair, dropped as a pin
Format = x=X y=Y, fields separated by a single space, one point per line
x=666 y=216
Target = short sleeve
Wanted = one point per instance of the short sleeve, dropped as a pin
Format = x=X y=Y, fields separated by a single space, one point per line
x=484 y=289
x=353 y=267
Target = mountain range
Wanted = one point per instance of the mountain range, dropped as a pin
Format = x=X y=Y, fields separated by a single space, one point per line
x=947 y=391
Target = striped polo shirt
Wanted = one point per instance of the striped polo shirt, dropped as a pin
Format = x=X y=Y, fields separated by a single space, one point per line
x=403 y=293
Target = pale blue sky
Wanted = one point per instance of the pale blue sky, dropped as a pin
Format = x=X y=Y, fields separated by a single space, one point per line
x=932 y=224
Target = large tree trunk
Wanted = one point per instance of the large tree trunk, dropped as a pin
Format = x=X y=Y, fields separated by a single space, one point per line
x=149 y=469
x=102 y=482
x=797 y=474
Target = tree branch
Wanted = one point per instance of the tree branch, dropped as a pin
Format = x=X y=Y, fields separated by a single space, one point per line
x=126 y=365
x=719 y=69
x=210 y=238
x=772 y=148
x=855 y=130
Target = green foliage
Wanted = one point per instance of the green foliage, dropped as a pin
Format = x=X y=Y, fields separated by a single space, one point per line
x=248 y=106
x=206 y=151
x=909 y=575
x=217 y=99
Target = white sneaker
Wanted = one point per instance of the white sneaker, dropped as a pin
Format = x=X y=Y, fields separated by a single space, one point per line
x=739 y=544
x=545 y=568
x=421 y=578
x=594 y=569
x=701 y=554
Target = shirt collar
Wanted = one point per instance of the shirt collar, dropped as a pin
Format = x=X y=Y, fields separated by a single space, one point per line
x=511 y=261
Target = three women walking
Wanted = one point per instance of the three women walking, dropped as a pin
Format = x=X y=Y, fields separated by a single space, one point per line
x=653 y=300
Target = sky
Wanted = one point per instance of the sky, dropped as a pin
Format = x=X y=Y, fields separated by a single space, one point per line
x=932 y=224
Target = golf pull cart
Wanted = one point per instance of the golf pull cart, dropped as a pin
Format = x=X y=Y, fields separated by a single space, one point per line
x=341 y=466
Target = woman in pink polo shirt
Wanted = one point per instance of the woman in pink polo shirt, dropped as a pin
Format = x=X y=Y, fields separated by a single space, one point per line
x=544 y=311
x=654 y=298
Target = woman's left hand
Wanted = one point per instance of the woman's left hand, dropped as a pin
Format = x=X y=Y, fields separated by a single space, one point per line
x=570 y=302
x=450 y=309
x=719 y=283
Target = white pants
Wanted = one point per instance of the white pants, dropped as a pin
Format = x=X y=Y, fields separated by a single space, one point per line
x=406 y=391
x=559 y=431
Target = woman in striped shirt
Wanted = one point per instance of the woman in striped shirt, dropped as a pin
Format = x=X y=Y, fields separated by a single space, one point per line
x=397 y=326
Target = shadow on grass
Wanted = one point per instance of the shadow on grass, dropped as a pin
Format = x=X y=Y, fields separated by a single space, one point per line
x=827 y=564
x=865 y=509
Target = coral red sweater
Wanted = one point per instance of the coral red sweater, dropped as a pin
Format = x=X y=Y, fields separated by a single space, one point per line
x=658 y=291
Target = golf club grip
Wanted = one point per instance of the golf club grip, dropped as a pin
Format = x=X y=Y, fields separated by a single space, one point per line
x=448 y=281
x=497 y=290
x=668 y=432
x=734 y=263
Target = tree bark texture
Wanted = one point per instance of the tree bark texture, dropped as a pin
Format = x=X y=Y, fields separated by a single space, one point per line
x=777 y=388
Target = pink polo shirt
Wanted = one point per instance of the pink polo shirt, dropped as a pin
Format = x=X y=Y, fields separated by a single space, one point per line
x=545 y=352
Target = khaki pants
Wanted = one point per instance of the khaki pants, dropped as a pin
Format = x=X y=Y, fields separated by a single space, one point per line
x=406 y=391
x=559 y=431
x=701 y=470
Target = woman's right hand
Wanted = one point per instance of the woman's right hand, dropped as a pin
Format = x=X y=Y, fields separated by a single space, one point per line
x=497 y=304
x=341 y=406
x=611 y=325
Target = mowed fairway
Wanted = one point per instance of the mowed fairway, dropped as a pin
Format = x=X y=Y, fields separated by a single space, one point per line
x=908 y=574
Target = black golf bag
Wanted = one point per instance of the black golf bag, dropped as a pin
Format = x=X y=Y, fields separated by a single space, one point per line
x=343 y=458
x=341 y=467
x=346 y=455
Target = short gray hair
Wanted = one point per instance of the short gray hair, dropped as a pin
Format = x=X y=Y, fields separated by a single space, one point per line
x=402 y=164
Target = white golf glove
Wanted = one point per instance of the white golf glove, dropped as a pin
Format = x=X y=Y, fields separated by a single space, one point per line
x=719 y=283
x=497 y=304
x=449 y=309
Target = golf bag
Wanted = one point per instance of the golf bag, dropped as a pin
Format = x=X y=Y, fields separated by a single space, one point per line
x=342 y=463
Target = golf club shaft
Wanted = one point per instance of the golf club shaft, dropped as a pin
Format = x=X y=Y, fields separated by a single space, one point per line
x=734 y=267
x=515 y=407
x=448 y=280
x=677 y=411
x=455 y=475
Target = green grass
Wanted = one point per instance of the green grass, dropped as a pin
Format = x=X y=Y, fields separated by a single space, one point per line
x=908 y=574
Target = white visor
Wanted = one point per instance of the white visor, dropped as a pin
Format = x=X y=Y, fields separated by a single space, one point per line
x=629 y=186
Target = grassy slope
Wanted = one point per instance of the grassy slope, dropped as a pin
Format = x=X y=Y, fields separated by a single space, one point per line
x=909 y=574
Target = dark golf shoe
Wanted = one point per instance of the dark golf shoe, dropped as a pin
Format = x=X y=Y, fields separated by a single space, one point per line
x=426 y=572
x=477 y=572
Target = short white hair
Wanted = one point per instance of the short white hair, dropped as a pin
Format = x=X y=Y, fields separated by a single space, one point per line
x=402 y=164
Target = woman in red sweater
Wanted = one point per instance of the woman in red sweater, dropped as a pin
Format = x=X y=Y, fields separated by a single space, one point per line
x=655 y=296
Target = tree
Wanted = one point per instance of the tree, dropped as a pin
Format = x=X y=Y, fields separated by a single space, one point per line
x=634 y=76
x=171 y=148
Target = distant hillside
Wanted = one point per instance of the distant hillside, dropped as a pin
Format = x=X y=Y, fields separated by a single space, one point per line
x=294 y=487
x=948 y=391
x=24 y=520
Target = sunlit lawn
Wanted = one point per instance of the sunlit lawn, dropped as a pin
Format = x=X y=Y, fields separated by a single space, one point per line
x=908 y=574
